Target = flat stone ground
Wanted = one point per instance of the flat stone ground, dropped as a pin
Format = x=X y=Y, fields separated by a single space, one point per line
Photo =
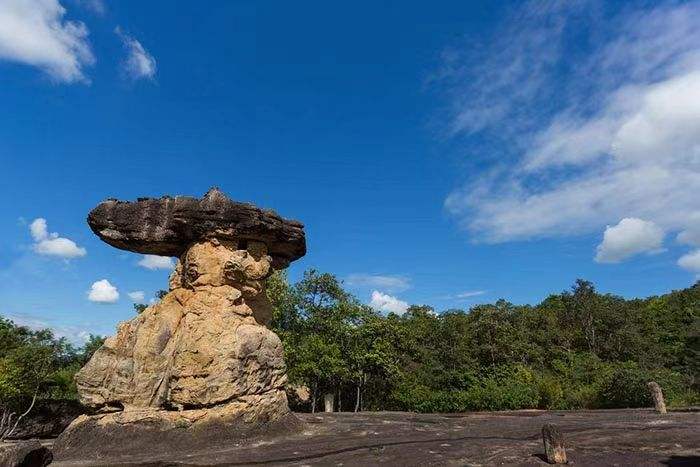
x=602 y=437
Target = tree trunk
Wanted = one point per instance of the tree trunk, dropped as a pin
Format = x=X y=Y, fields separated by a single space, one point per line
x=6 y=431
x=340 y=400
x=313 y=399
x=357 y=398
x=328 y=402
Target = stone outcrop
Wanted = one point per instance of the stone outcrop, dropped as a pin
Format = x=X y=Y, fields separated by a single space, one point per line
x=657 y=396
x=48 y=419
x=555 y=452
x=167 y=226
x=24 y=453
x=202 y=359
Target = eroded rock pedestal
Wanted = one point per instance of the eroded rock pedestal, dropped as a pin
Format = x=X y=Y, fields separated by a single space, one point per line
x=200 y=366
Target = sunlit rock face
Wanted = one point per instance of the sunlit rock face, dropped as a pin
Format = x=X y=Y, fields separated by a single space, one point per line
x=203 y=354
x=205 y=343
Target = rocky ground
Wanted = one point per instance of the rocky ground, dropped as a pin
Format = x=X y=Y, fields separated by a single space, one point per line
x=610 y=437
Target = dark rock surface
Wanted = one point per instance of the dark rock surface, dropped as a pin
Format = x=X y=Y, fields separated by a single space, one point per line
x=94 y=439
x=167 y=226
x=24 y=454
x=606 y=437
x=48 y=419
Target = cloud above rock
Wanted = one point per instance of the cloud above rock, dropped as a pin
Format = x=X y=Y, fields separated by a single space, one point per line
x=103 y=292
x=137 y=296
x=51 y=244
x=156 y=262
x=36 y=33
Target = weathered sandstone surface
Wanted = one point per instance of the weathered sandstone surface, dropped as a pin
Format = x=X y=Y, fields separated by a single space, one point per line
x=201 y=361
x=167 y=226
x=635 y=437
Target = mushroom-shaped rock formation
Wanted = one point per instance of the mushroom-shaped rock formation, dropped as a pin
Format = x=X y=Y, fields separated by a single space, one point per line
x=200 y=365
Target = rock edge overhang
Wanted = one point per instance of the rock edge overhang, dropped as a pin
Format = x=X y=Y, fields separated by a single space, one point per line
x=167 y=226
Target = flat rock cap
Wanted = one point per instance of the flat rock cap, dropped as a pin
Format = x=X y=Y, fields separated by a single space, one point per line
x=167 y=226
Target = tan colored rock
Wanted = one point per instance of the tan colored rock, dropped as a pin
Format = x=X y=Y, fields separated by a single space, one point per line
x=204 y=344
x=186 y=432
x=657 y=396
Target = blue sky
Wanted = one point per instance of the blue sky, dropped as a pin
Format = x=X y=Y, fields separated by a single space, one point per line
x=449 y=153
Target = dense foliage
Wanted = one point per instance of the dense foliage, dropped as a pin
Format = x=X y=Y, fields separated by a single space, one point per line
x=36 y=362
x=577 y=349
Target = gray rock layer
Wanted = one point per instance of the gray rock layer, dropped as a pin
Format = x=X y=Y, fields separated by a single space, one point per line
x=167 y=226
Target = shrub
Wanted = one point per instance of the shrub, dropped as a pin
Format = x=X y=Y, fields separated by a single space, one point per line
x=627 y=386
x=551 y=393
x=508 y=387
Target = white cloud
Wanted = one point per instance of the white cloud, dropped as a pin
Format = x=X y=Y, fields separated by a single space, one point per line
x=691 y=234
x=575 y=140
x=139 y=64
x=387 y=303
x=39 y=229
x=691 y=261
x=34 y=32
x=51 y=244
x=462 y=296
x=103 y=292
x=137 y=296
x=156 y=262
x=392 y=283
x=629 y=237
x=471 y=293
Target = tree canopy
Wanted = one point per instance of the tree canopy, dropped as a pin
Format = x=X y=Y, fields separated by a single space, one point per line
x=576 y=349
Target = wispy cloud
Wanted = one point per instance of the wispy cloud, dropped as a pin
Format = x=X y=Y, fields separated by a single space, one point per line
x=156 y=262
x=378 y=281
x=463 y=296
x=96 y=6
x=472 y=293
x=139 y=63
x=578 y=138
x=77 y=334
x=137 y=296
x=35 y=33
